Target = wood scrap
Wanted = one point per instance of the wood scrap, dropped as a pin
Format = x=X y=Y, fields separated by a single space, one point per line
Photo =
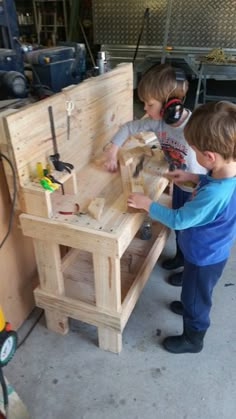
x=95 y=208
x=148 y=137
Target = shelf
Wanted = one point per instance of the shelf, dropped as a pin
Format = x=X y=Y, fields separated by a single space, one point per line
x=46 y=15
x=53 y=26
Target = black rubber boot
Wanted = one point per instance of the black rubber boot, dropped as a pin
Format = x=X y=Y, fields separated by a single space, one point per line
x=174 y=263
x=191 y=341
x=177 y=307
x=176 y=280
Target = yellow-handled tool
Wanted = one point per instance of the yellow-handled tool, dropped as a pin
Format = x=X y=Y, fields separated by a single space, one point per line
x=2 y=321
x=39 y=170
x=8 y=341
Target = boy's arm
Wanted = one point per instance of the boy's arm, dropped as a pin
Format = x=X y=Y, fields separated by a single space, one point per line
x=202 y=209
x=130 y=128
x=133 y=127
x=180 y=176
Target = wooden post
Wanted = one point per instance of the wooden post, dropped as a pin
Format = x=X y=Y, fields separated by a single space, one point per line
x=129 y=159
x=51 y=280
x=70 y=185
x=108 y=297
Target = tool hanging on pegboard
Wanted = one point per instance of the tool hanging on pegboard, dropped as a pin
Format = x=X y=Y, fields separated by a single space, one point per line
x=55 y=158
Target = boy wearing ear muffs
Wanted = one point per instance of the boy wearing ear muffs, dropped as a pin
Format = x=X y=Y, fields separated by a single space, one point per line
x=162 y=90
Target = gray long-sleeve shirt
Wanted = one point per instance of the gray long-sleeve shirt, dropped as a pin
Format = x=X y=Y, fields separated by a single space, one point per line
x=176 y=149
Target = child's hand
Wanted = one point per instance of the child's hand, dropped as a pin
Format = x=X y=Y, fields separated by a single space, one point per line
x=110 y=157
x=139 y=200
x=180 y=177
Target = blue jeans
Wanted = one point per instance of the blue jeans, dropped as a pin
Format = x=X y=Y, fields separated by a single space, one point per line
x=197 y=289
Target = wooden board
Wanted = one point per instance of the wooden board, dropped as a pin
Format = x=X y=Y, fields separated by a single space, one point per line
x=17 y=264
x=97 y=115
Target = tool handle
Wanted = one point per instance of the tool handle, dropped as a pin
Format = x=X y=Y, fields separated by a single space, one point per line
x=39 y=170
x=69 y=107
x=54 y=140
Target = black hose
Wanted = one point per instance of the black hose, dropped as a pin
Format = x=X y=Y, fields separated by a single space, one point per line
x=141 y=33
x=13 y=199
x=4 y=389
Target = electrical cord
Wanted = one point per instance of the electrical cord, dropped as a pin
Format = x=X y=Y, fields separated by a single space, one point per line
x=30 y=330
x=13 y=199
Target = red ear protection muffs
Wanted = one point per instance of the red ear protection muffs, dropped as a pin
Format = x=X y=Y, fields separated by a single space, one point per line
x=172 y=111
x=173 y=108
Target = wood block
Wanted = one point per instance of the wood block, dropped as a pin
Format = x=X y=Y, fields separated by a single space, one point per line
x=147 y=137
x=129 y=159
x=96 y=207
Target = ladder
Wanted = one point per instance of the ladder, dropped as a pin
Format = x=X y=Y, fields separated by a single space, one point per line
x=8 y=23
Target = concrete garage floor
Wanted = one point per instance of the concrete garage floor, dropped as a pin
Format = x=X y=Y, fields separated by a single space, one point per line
x=69 y=376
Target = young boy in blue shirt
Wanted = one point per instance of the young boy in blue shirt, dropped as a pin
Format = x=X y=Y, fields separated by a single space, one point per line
x=206 y=223
x=162 y=89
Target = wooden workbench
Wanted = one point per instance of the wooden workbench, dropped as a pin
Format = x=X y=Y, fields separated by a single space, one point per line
x=91 y=270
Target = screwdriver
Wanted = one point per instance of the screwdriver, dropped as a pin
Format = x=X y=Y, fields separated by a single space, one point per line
x=39 y=170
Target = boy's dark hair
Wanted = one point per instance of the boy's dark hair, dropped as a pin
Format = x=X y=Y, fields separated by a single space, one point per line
x=212 y=127
x=160 y=83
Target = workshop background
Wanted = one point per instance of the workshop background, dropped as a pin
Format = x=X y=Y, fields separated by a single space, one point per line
x=45 y=48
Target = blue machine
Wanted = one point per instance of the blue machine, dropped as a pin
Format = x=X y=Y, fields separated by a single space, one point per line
x=58 y=67
x=9 y=38
x=12 y=80
x=52 y=68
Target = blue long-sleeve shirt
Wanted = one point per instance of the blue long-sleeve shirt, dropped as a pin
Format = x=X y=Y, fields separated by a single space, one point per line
x=207 y=222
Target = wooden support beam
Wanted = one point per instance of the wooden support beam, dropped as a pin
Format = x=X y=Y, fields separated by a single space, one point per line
x=108 y=297
x=51 y=280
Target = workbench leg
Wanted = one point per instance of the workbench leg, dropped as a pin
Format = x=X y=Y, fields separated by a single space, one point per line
x=56 y=322
x=109 y=340
x=51 y=280
x=108 y=297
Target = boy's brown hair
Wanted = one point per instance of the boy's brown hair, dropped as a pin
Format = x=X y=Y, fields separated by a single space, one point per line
x=212 y=127
x=160 y=83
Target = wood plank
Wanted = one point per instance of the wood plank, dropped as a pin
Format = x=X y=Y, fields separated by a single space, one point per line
x=108 y=296
x=77 y=310
x=67 y=235
x=49 y=266
x=48 y=259
x=107 y=282
x=97 y=115
x=78 y=275
x=17 y=264
x=143 y=275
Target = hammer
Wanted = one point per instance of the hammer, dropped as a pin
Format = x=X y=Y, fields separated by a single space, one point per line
x=139 y=166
